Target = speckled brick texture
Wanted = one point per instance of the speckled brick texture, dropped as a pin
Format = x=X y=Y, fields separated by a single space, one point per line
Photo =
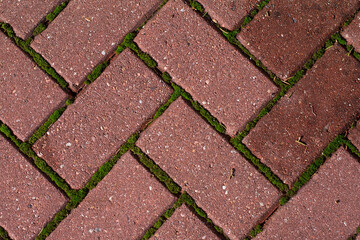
x=352 y=33
x=28 y=96
x=207 y=66
x=24 y=16
x=319 y=107
x=123 y=205
x=91 y=31
x=285 y=34
x=229 y=13
x=102 y=118
x=27 y=199
x=354 y=136
x=184 y=224
x=229 y=189
x=326 y=208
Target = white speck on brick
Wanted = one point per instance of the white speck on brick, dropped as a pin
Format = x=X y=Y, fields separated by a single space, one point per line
x=150 y=188
x=68 y=144
x=103 y=52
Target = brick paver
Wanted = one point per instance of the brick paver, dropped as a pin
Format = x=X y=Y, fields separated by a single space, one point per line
x=352 y=33
x=285 y=34
x=319 y=107
x=229 y=13
x=27 y=199
x=28 y=96
x=123 y=205
x=76 y=41
x=102 y=118
x=206 y=65
x=233 y=194
x=184 y=224
x=354 y=136
x=24 y=16
x=326 y=208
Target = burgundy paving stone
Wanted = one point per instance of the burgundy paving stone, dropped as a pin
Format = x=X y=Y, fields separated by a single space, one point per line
x=184 y=224
x=325 y=208
x=229 y=189
x=28 y=96
x=102 y=118
x=123 y=205
x=24 y=16
x=27 y=199
x=229 y=13
x=285 y=34
x=354 y=136
x=206 y=65
x=87 y=32
x=319 y=107
x=352 y=33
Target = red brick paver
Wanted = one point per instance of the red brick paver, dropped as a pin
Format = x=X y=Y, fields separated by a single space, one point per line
x=352 y=33
x=233 y=194
x=24 y=16
x=184 y=224
x=354 y=136
x=229 y=13
x=285 y=34
x=206 y=65
x=111 y=109
x=319 y=107
x=28 y=96
x=76 y=41
x=27 y=199
x=123 y=205
x=326 y=208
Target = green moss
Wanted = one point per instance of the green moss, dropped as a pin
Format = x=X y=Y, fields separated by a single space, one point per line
x=311 y=169
x=96 y=72
x=169 y=212
x=51 y=16
x=4 y=234
x=43 y=129
x=197 y=6
x=156 y=170
x=38 y=59
x=39 y=28
x=255 y=231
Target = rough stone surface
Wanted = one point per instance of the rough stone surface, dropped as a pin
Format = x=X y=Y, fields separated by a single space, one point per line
x=102 y=118
x=184 y=224
x=352 y=33
x=91 y=31
x=319 y=107
x=354 y=136
x=325 y=208
x=27 y=199
x=229 y=189
x=123 y=205
x=285 y=34
x=229 y=13
x=28 y=96
x=24 y=16
x=207 y=66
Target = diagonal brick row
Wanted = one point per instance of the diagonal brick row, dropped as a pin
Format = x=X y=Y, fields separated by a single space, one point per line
x=123 y=205
x=76 y=41
x=319 y=107
x=103 y=117
x=326 y=208
x=229 y=189
x=285 y=34
x=201 y=61
x=28 y=96
x=27 y=199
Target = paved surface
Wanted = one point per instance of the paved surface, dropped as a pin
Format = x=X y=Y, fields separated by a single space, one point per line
x=191 y=128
